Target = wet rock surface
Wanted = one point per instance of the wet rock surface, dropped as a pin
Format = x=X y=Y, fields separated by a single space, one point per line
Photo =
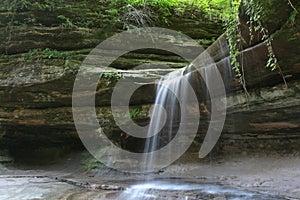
x=36 y=123
x=26 y=187
x=33 y=188
x=251 y=177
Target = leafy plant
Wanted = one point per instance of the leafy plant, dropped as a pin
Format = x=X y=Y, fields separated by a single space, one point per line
x=14 y=5
x=4 y=56
x=255 y=12
x=66 y=22
x=112 y=11
x=112 y=75
x=234 y=38
x=52 y=54
x=47 y=5
x=293 y=17
x=293 y=14
x=30 y=20
x=163 y=9
x=36 y=54
x=134 y=113
x=91 y=163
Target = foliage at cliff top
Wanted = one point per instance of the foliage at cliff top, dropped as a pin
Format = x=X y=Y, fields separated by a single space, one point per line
x=216 y=9
x=212 y=9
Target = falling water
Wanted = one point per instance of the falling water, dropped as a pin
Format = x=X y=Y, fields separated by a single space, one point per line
x=165 y=115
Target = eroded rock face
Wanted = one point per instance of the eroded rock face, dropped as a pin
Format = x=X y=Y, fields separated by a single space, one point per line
x=36 y=109
x=36 y=93
x=267 y=121
x=42 y=48
x=268 y=118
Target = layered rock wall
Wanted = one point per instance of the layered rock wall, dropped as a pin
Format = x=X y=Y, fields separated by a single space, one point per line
x=43 y=50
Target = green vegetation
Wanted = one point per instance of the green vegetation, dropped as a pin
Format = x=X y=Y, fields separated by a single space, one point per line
x=91 y=163
x=66 y=22
x=144 y=13
x=4 y=56
x=234 y=39
x=217 y=9
x=88 y=162
x=294 y=14
x=136 y=113
x=117 y=11
x=256 y=13
x=113 y=75
x=213 y=10
x=38 y=54
x=23 y=5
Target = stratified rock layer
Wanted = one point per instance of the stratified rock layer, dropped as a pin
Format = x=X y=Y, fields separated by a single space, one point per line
x=36 y=86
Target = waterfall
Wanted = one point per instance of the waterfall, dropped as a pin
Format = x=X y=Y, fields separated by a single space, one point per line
x=173 y=114
x=165 y=115
x=174 y=92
